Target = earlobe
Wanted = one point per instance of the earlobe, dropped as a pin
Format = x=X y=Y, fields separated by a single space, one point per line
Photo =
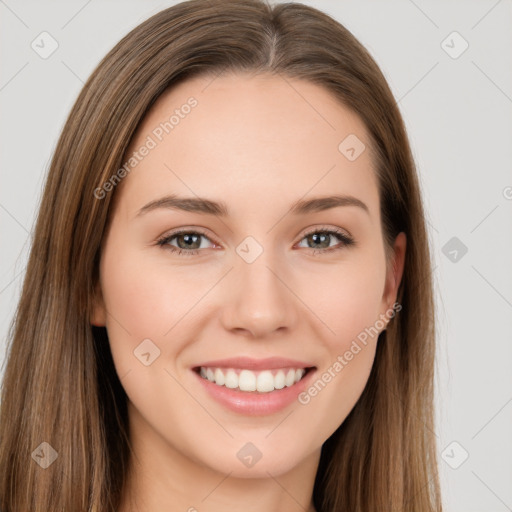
x=98 y=316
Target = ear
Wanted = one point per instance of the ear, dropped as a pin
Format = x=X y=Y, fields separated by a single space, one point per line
x=395 y=269
x=98 y=315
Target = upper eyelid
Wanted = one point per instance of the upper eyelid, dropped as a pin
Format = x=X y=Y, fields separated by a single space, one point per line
x=335 y=230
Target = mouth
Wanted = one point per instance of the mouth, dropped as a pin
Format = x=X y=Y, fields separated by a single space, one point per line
x=254 y=387
x=253 y=381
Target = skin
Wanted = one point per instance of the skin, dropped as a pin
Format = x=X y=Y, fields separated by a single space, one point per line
x=258 y=144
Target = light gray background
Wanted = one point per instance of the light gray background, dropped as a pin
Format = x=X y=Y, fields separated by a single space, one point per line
x=458 y=114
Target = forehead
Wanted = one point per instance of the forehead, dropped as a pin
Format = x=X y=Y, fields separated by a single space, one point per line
x=252 y=139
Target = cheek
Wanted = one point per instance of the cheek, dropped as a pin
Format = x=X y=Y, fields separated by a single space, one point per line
x=349 y=306
x=141 y=304
x=349 y=300
x=149 y=298
x=145 y=298
x=350 y=310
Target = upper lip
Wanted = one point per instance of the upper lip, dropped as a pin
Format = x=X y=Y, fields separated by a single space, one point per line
x=249 y=363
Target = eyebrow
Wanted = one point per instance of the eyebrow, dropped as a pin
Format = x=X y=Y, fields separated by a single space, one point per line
x=205 y=206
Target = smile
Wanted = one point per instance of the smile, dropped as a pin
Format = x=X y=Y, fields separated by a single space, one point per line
x=253 y=381
x=250 y=386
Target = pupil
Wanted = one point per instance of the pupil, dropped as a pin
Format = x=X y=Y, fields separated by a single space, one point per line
x=315 y=237
x=189 y=239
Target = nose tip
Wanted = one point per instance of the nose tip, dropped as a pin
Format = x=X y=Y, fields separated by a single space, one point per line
x=258 y=301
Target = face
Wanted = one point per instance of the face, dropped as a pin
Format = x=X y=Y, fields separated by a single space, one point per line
x=243 y=341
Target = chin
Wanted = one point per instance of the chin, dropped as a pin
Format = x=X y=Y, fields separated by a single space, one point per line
x=246 y=459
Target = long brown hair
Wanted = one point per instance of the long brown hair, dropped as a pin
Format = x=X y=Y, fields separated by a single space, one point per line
x=60 y=385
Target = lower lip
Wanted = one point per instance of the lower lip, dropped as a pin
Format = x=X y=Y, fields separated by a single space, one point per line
x=254 y=403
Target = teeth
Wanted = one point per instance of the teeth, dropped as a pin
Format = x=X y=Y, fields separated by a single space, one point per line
x=290 y=378
x=265 y=382
x=247 y=380
x=279 y=380
x=219 y=377
x=231 y=379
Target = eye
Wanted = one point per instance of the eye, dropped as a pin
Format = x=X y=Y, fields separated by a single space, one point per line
x=322 y=238
x=189 y=241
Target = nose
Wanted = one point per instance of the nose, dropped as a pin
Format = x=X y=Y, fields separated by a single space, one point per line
x=259 y=299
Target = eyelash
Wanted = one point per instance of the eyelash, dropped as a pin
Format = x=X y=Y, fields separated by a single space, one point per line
x=164 y=241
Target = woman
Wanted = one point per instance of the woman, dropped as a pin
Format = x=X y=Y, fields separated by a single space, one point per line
x=228 y=302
